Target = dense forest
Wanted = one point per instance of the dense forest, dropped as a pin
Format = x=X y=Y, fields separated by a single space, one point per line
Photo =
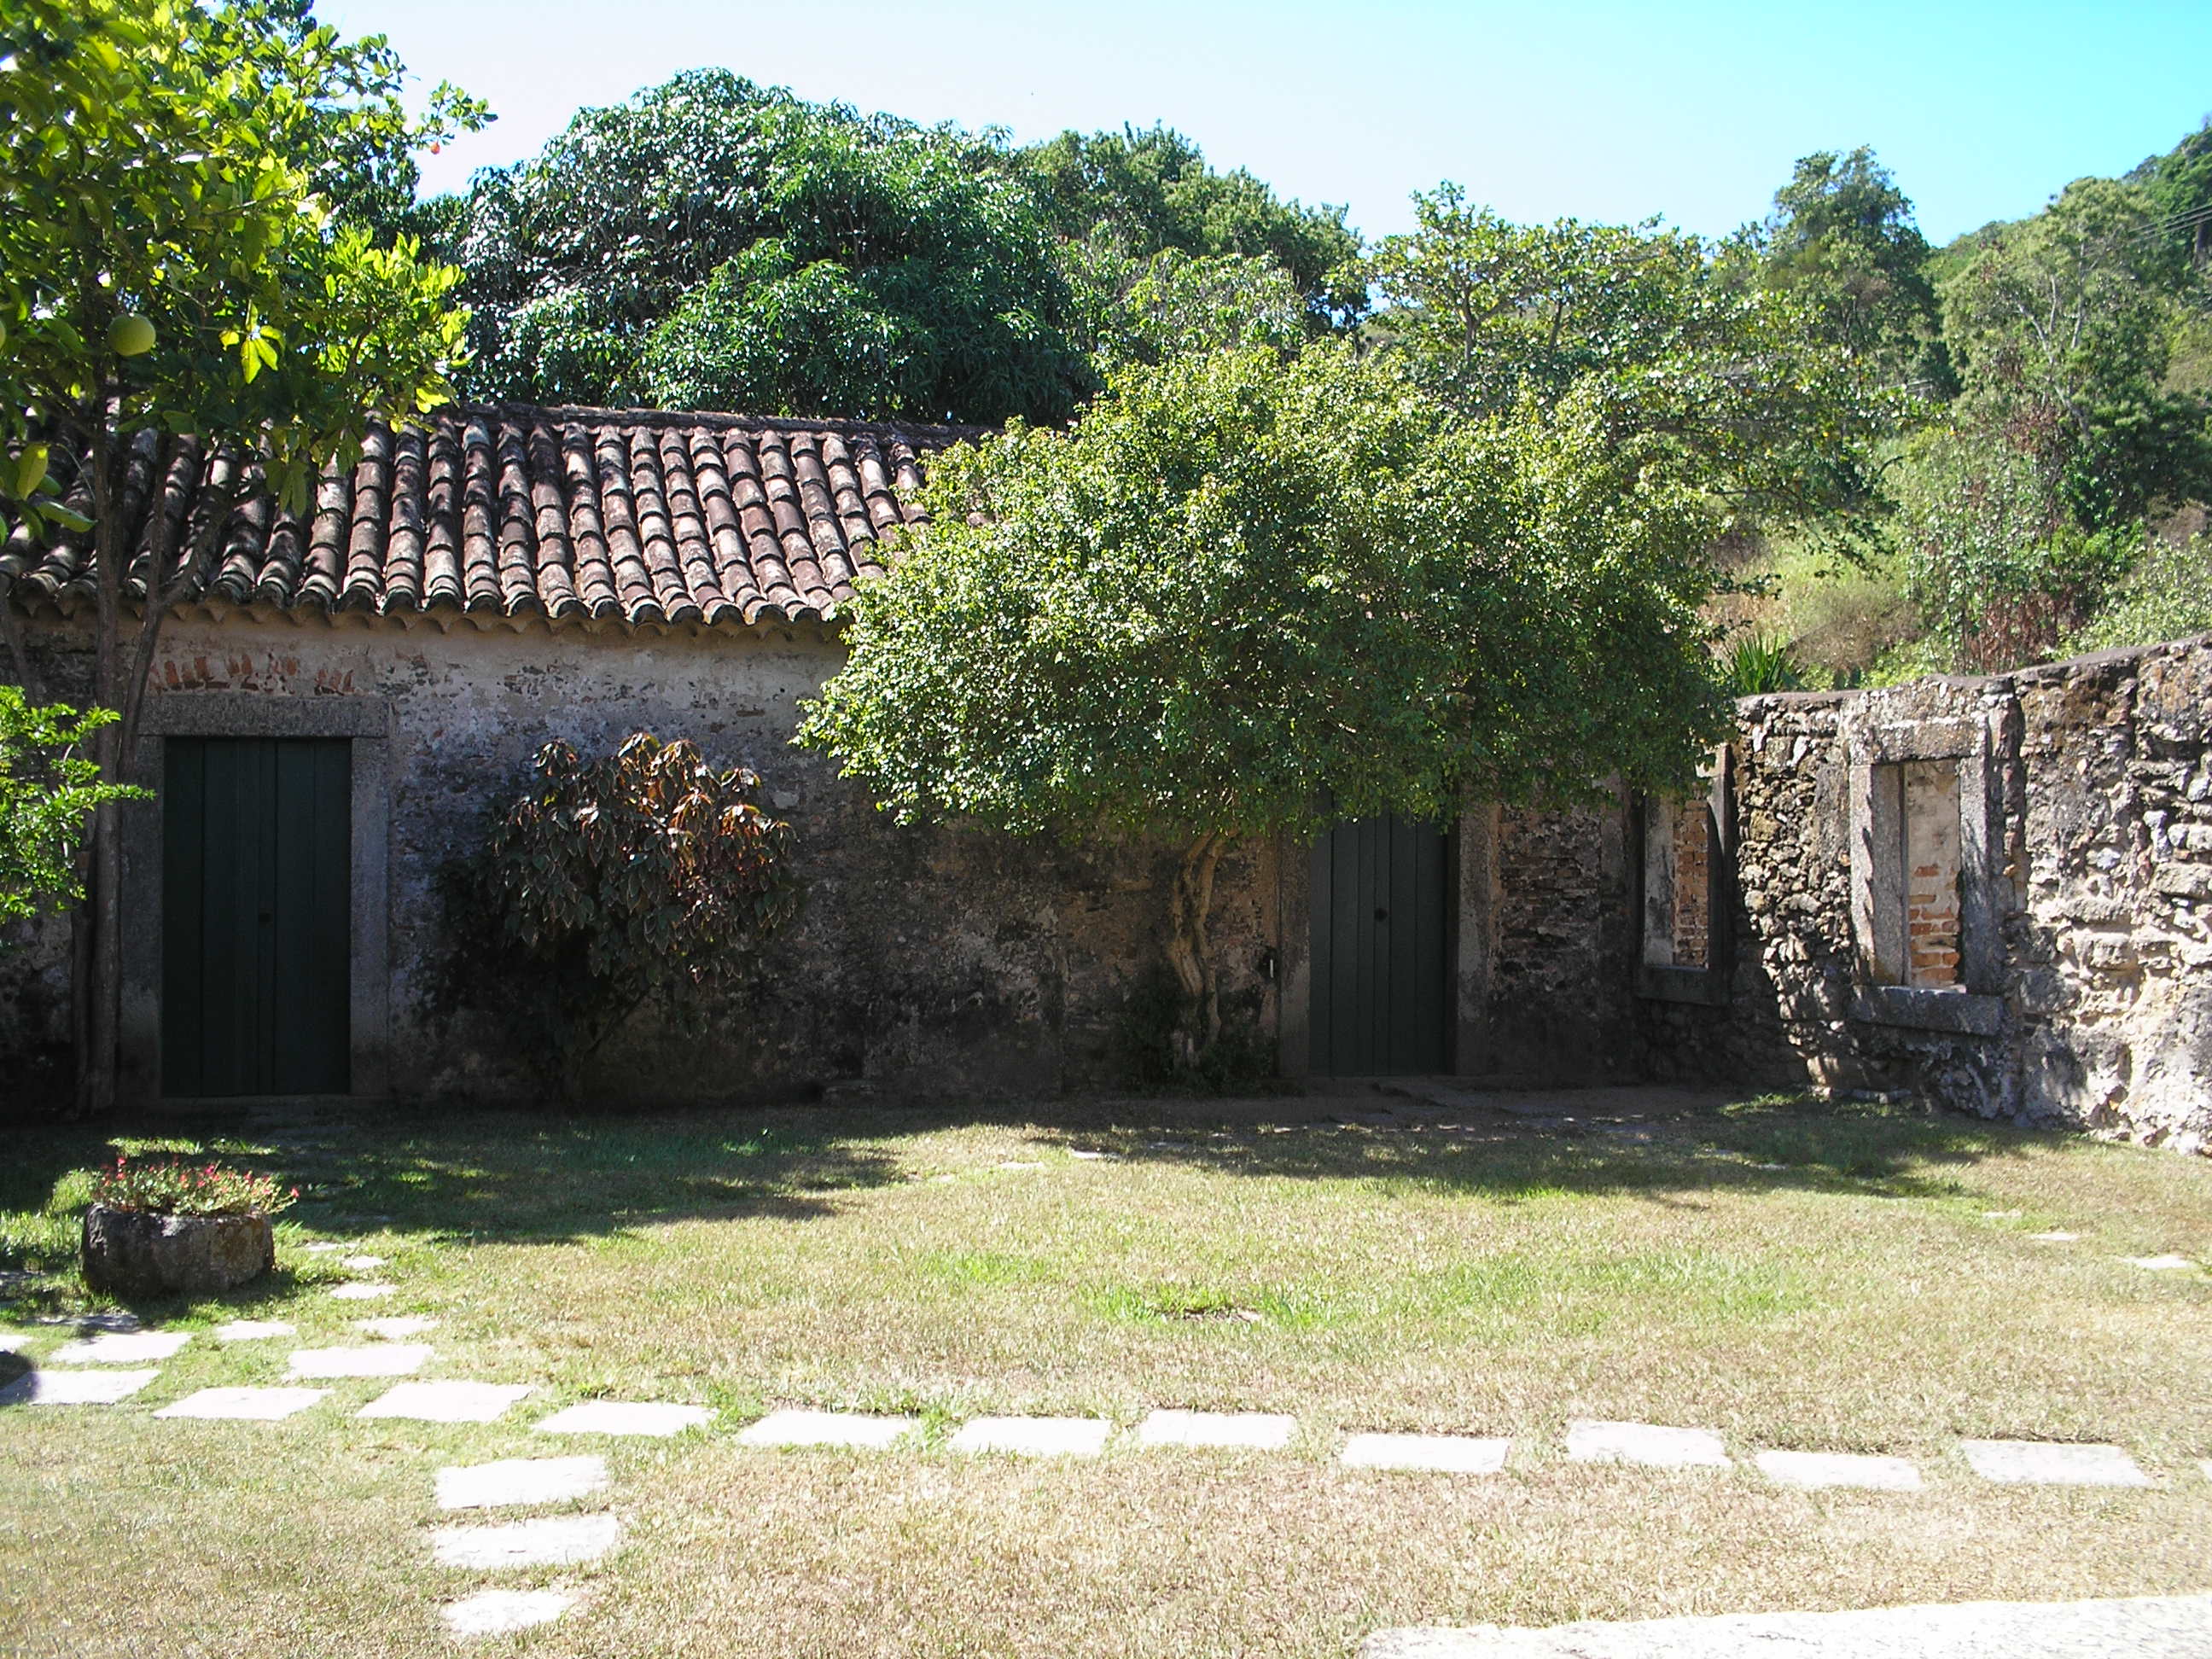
x=1967 y=457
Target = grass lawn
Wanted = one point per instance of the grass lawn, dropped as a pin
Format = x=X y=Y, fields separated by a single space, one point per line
x=1790 y=1275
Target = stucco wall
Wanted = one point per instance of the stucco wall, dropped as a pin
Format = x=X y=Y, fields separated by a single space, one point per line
x=925 y=959
x=2084 y=899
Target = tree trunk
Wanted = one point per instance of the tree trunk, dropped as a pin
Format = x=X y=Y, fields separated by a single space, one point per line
x=121 y=675
x=1190 y=950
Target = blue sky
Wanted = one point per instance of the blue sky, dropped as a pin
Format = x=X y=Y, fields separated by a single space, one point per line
x=1604 y=111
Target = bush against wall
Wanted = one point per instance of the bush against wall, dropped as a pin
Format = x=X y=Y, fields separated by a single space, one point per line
x=49 y=786
x=646 y=878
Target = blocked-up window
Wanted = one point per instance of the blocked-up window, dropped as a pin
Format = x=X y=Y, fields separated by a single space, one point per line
x=1678 y=884
x=1921 y=888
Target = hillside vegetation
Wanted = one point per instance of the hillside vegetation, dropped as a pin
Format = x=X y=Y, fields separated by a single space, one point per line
x=2001 y=448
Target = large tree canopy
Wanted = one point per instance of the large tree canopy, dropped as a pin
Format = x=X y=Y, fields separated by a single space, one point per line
x=1842 y=237
x=1245 y=595
x=715 y=244
x=1735 y=380
x=1149 y=191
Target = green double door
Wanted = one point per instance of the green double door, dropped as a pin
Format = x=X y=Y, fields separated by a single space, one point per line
x=1380 y=894
x=255 y=916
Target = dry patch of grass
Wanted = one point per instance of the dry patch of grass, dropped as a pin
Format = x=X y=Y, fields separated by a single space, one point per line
x=1792 y=1276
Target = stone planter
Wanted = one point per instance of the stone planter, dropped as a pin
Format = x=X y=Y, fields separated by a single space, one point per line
x=129 y=1252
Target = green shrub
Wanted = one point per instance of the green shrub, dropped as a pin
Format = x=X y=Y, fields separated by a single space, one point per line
x=1760 y=663
x=49 y=787
x=2168 y=596
x=645 y=877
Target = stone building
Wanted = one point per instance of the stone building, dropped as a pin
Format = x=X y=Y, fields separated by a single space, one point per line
x=1993 y=893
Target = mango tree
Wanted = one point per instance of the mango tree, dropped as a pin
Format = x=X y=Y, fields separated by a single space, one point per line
x=1246 y=595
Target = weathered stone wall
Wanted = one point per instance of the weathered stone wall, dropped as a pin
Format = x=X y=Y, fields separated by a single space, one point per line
x=2051 y=887
x=927 y=960
x=1563 y=940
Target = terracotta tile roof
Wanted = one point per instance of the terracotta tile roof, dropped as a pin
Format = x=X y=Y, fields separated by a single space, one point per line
x=633 y=515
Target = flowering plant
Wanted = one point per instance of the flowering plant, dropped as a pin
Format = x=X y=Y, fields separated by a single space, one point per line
x=177 y=1188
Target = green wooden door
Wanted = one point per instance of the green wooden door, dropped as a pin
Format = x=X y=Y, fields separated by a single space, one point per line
x=256 y=922
x=1378 y=909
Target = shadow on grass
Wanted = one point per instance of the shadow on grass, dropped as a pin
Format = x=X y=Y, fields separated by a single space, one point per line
x=513 y=1177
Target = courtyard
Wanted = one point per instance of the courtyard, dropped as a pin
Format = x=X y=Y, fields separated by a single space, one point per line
x=1110 y=1377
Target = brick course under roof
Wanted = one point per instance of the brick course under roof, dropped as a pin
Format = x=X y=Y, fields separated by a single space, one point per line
x=629 y=515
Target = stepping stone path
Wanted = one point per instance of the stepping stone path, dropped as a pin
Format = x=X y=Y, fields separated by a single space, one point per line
x=843 y=1429
x=75 y=1387
x=386 y=1359
x=252 y=1330
x=254 y=1405
x=121 y=1348
x=361 y=1292
x=620 y=1417
x=2144 y=1627
x=1447 y=1454
x=555 y=1541
x=520 y=1480
x=1034 y=1437
x=1817 y=1470
x=399 y=1328
x=495 y=1613
x=1256 y=1431
x=2051 y=1463
x=447 y=1402
x=1593 y=1442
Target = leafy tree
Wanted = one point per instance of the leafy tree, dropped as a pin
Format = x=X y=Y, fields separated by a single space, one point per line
x=1245 y=596
x=175 y=297
x=645 y=877
x=2179 y=185
x=355 y=136
x=49 y=787
x=1841 y=237
x=1151 y=191
x=2062 y=326
x=1491 y=318
x=711 y=242
x=1134 y=309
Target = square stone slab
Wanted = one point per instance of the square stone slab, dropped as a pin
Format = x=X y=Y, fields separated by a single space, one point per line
x=385 y=1359
x=1449 y=1454
x=1257 y=1431
x=121 y=1348
x=363 y=1292
x=254 y=1405
x=362 y=1263
x=2051 y=1463
x=2161 y=1264
x=253 y=1330
x=324 y=1247
x=1034 y=1437
x=446 y=1402
x=520 y=1480
x=399 y=1328
x=2053 y=1239
x=555 y=1541
x=495 y=1613
x=1592 y=1442
x=75 y=1387
x=623 y=1417
x=1815 y=1470
x=848 y=1429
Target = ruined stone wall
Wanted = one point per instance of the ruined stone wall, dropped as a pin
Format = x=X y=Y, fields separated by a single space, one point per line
x=2038 y=944
x=926 y=960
